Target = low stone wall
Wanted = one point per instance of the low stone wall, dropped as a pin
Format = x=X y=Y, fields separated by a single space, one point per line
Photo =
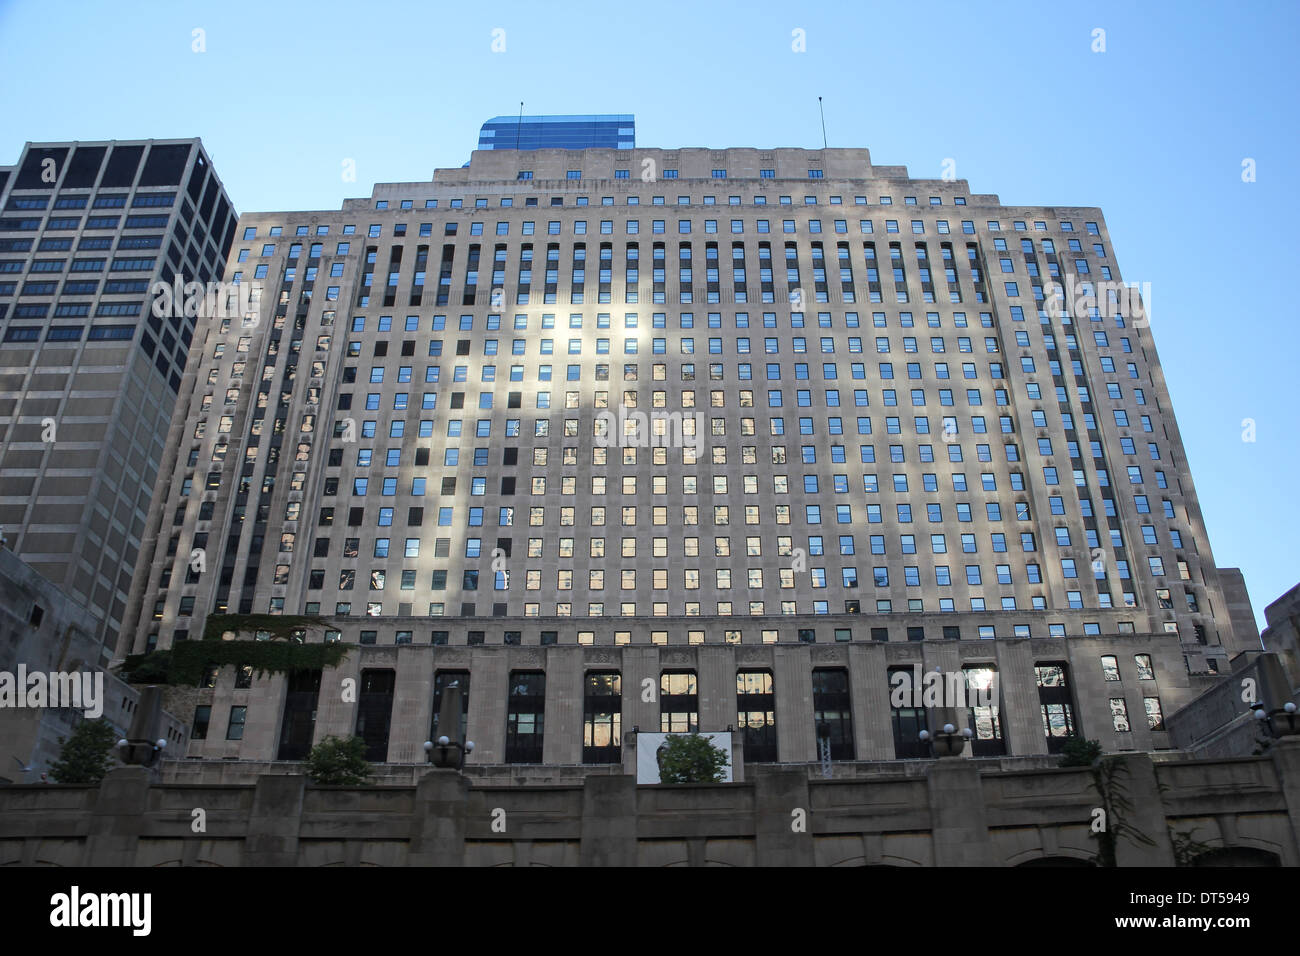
x=945 y=813
x=542 y=775
x=1219 y=722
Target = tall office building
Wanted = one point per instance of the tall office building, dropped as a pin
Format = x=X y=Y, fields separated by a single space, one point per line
x=608 y=130
x=830 y=426
x=88 y=375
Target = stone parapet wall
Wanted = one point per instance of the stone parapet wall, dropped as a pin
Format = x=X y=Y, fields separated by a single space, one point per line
x=945 y=813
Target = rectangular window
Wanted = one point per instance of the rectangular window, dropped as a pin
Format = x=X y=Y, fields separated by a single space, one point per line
x=1155 y=716
x=375 y=711
x=524 y=717
x=202 y=716
x=602 y=718
x=1055 y=703
x=1119 y=715
x=1110 y=668
x=984 y=720
x=238 y=717
x=907 y=721
x=833 y=711
x=679 y=702
x=1144 y=669
x=756 y=715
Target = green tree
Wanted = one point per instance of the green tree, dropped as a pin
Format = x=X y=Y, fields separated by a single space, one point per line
x=691 y=758
x=1078 y=752
x=338 y=760
x=86 y=755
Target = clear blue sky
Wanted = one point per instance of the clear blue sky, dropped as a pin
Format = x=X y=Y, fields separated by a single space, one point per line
x=1153 y=130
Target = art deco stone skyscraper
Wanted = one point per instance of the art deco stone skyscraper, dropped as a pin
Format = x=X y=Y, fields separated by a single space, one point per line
x=678 y=438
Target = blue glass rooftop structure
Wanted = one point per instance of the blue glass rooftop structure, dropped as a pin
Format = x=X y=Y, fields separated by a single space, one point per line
x=607 y=131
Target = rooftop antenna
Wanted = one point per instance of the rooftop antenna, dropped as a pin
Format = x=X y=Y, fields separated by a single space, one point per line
x=823 y=112
x=519 y=125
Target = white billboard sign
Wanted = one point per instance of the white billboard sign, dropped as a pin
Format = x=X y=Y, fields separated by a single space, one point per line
x=647 y=753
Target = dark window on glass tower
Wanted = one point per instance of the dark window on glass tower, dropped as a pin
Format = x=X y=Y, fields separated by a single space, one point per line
x=756 y=715
x=908 y=722
x=33 y=171
x=679 y=702
x=832 y=706
x=122 y=165
x=524 y=717
x=1054 y=703
x=602 y=717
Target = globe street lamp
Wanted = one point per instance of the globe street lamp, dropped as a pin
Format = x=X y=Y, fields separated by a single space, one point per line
x=1280 y=722
x=948 y=742
x=141 y=753
x=448 y=754
x=140 y=748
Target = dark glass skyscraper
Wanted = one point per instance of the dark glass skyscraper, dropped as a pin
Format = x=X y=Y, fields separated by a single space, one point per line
x=610 y=131
x=90 y=374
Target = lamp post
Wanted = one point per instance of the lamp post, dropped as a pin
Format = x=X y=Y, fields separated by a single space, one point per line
x=948 y=742
x=448 y=753
x=1280 y=722
x=141 y=753
x=140 y=748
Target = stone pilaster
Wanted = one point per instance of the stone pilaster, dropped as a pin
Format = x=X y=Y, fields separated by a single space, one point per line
x=778 y=795
x=959 y=825
x=609 y=821
x=118 y=817
x=272 y=836
x=438 y=820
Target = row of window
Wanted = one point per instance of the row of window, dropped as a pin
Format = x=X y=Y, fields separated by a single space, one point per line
x=276 y=605
x=658 y=294
x=104 y=200
x=73 y=223
x=773 y=371
x=526 y=175
x=686 y=320
x=658 y=253
x=44 y=287
x=70 y=333
x=742 y=345
x=678 y=698
x=731 y=635
x=86 y=244
x=627 y=578
x=555 y=227
x=506 y=202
